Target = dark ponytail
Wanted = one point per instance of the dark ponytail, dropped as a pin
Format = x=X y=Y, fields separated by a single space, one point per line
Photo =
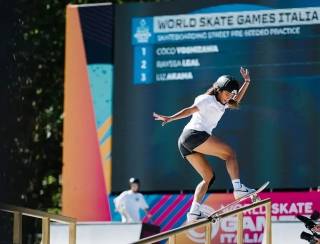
x=233 y=104
x=212 y=91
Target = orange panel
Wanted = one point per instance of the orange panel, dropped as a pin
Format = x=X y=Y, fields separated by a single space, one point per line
x=84 y=191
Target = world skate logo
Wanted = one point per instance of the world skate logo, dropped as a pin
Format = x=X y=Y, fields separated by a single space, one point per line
x=199 y=237
x=142 y=34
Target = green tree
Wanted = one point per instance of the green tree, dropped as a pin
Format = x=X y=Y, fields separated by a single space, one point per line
x=32 y=79
x=33 y=102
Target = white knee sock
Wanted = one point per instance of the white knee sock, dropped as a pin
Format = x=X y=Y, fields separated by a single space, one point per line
x=195 y=207
x=236 y=184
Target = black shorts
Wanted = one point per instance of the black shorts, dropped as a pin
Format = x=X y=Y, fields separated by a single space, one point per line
x=190 y=139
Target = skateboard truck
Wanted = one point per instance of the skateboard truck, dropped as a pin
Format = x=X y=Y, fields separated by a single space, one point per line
x=213 y=218
x=255 y=198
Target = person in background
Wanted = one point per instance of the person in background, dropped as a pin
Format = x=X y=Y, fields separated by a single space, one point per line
x=129 y=203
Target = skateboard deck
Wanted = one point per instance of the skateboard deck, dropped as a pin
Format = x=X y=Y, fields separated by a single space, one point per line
x=253 y=195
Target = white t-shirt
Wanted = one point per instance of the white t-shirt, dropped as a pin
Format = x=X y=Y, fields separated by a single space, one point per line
x=130 y=202
x=209 y=114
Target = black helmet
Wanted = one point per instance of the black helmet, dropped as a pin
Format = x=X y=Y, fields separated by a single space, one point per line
x=227 y=83
x=134 y=180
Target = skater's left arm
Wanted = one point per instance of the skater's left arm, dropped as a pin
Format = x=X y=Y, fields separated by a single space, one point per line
x=179 y=115
x=246 y=76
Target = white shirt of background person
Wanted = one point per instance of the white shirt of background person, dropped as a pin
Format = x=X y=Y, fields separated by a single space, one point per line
x=129 y=203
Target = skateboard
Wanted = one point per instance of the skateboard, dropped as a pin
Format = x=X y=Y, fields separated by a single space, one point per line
x=253 y=195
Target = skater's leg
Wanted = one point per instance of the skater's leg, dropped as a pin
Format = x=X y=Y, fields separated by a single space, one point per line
x=215 y=147
x=201 y=165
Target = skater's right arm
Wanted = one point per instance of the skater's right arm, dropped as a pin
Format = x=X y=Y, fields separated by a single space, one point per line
x=186 y=112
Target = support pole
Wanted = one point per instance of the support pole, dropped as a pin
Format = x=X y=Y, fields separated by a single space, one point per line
x=17 y=228
x=240 y=228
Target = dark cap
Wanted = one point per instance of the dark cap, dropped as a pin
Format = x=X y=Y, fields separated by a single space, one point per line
x=134 y=180
x=227 y=83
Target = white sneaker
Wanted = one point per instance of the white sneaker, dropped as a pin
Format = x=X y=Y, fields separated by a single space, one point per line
x=192 y=217
x=242 y=191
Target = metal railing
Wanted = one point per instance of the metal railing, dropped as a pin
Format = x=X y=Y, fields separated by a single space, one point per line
x=171 y=234
x=18 y=212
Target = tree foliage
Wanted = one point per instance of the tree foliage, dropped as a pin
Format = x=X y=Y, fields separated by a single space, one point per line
x=31 y=101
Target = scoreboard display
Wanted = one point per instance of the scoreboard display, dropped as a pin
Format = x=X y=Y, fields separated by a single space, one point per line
x=168 y=53
x=184 y=47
